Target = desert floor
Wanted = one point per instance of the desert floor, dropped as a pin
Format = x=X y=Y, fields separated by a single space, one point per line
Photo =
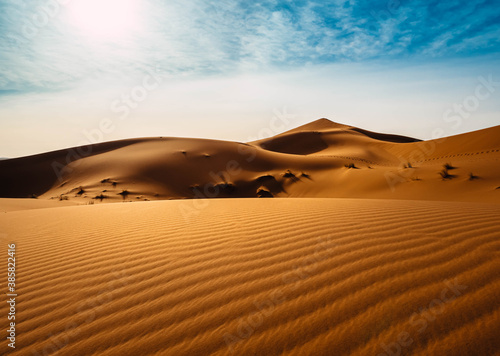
x=292 y=276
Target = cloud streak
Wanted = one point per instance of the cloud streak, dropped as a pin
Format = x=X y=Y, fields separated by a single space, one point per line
x=195 y=37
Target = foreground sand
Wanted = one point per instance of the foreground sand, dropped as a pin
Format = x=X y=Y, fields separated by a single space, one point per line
x=257 y=277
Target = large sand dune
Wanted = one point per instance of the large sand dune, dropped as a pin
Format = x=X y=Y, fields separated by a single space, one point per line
x=309 y=161
x=257 y=277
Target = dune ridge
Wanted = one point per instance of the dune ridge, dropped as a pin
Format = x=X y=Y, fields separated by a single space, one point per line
x=319 y=159
x=291 y=276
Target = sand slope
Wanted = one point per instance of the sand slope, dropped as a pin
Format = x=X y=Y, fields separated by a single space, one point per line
x=308 y=161
x=257 y=277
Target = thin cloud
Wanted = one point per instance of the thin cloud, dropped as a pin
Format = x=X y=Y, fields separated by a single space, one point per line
x=200 y=37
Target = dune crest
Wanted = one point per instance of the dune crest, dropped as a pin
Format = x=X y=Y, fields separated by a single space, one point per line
x=323 y=158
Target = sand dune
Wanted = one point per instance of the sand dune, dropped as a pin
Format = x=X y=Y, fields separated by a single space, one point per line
x=257 y=277
x=409 y=267
x=309 y=161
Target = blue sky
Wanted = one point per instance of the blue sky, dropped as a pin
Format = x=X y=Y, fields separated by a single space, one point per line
x=223 y=68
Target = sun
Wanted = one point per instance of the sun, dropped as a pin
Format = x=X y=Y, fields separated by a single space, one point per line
x=104 y=19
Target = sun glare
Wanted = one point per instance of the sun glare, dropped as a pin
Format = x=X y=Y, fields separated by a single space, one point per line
x=104 y=19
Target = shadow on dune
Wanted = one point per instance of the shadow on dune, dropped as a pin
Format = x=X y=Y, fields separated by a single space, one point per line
x=22 y=177
x=298 y=143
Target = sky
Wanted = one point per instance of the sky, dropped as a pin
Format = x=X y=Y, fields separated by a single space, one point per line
x=79 y=71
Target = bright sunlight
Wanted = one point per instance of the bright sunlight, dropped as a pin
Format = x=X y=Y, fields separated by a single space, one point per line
x=104 y=19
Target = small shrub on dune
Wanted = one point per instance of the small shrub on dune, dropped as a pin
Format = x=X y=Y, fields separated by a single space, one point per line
x=445 y=174
x=124 y=193
x=448 y=166
x=305 y=175
x=101 y=197
x=289 y=174
x=350 y=166
x=80 y=191
x=472 y=176
x=108 y=180
x=63 y=197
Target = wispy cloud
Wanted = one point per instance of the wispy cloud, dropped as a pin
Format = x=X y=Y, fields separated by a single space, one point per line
x=200 y=37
